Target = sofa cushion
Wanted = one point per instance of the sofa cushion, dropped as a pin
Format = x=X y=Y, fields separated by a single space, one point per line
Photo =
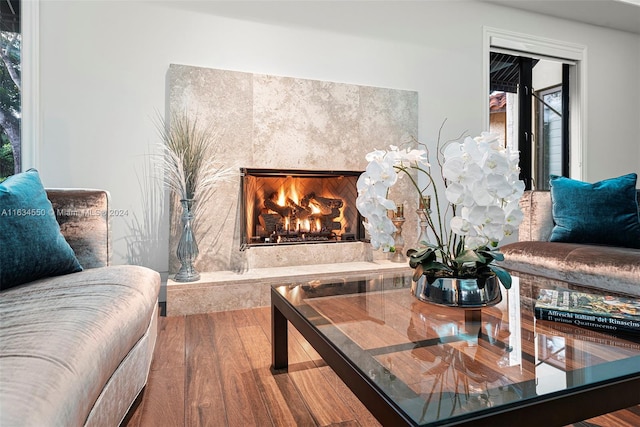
x=31 y=245
x=605 y=212
x=602 y=267
x=63 y=338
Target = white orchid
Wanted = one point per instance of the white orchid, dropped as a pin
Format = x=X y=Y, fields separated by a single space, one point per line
x=482 y=186
x=373 y=186
x=494 y=189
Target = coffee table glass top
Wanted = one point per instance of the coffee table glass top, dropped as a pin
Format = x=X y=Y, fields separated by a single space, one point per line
x=438 y=363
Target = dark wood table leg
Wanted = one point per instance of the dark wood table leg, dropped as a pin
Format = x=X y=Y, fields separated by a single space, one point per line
x=473 y=321
x=473 y=316
x=279 y=341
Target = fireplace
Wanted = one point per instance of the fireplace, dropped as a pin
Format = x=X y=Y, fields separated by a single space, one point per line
x=283 y=124
x=293 y=207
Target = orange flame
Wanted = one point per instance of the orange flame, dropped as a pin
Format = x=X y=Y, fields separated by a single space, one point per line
x=282 y=197
x=314 y=208
x=293 y=193
x=292 y=190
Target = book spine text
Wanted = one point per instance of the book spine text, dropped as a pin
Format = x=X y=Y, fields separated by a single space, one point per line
x=602 y=323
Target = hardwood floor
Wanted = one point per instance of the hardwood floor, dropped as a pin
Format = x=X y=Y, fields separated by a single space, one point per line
x=213 y=370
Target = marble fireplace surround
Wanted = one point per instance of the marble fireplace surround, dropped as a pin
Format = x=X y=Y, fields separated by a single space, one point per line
x=274 y=122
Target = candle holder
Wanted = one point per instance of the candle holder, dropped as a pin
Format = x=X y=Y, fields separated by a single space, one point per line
x=423 y=211
x=425 y=203
x=423 y=237
x=398 y=255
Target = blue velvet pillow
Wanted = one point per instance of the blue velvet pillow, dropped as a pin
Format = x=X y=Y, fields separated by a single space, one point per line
x=605 y=212
x=31 y=245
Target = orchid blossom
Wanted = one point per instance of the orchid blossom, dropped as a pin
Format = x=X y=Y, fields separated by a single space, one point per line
x=482 y=187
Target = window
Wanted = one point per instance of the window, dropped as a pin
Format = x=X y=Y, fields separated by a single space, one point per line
x=548 y=141
x=517 y=65
x=10 y=89
x=536 y=122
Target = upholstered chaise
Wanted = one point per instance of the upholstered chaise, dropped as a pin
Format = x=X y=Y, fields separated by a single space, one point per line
x=75 y=349
x=599 y=266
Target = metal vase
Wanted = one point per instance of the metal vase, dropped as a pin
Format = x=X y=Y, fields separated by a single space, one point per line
x=454 y=292
x=187 y=246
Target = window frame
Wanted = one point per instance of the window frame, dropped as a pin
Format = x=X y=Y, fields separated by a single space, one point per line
x=540 y=141
x=30 y=133
x=495 y=39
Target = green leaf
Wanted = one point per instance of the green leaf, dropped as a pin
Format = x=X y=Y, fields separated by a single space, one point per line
x=417 y=272
x=470 y=256
x=429 y=269
x=422 y=256
x=417 y=253
x=503 y=275
x=494 y=255
x=436 y=266
x=491 y=255
x=497 y=255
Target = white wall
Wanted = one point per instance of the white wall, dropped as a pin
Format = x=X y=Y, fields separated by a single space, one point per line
x=103 y=68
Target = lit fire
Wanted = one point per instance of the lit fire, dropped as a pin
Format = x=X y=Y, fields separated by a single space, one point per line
x=291 y=193
x=282 y=197
x=306 y=225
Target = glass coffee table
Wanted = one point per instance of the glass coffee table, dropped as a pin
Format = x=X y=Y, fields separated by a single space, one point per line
x=416 y=363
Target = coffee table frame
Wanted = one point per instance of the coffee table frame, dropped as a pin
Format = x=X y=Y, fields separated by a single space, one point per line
x=558 y=408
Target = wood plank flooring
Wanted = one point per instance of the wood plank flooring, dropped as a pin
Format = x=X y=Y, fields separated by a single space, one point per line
x=213 y=370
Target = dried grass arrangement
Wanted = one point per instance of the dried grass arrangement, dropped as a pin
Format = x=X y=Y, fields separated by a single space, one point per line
x=188 y=156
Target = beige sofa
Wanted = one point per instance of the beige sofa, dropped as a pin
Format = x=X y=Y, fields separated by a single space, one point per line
x=76 y=349
x=604 y=267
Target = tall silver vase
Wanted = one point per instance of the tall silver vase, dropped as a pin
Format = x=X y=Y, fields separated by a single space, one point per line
x=187 y=246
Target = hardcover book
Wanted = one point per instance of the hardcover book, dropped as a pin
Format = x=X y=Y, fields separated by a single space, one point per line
x=601 y=312
x=565 y=330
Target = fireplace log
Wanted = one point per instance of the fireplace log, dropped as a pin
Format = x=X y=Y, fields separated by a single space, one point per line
x=269 y=222
x=331 y=225
x=297 y=211
x=283 y=211
x=326 y=204
x=327 y=221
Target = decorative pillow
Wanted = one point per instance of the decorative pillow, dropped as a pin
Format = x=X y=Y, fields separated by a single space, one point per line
x=31 y=245
x=605 y=212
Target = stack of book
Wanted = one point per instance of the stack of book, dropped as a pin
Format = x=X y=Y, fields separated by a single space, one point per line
x=599 y=312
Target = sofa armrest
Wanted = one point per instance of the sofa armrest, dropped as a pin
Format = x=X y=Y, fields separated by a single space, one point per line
x=85 y=222
x=537 y=223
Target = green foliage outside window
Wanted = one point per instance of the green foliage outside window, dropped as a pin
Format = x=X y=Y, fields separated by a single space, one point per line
x=10 y=107
x=7 y=167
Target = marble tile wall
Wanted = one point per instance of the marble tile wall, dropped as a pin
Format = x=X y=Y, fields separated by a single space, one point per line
x=286 y=123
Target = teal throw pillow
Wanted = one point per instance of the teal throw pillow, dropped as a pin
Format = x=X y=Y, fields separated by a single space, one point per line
x=605 y=212
x=31 y=245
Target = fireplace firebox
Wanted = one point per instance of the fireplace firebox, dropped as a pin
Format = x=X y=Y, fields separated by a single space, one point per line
x=286 y=207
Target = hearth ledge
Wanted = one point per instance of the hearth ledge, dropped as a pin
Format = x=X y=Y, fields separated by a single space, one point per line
x=229 y=290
